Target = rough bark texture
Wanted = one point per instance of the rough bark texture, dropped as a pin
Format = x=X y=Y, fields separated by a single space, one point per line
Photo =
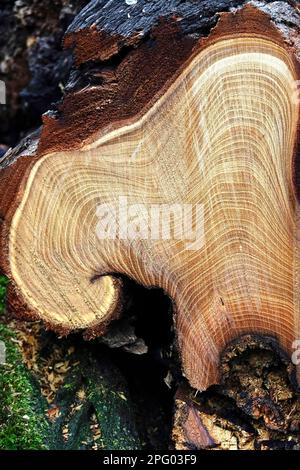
x=156 y=42
x=255 y=408
x=33 y=64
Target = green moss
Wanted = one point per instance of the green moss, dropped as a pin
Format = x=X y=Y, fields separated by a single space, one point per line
x=3 y=284
x=23 y=424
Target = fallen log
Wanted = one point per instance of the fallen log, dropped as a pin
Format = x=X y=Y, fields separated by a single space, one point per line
x=171 y=160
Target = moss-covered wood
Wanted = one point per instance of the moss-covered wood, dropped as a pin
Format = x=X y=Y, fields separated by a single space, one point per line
x=91 y=409
x=94 y=408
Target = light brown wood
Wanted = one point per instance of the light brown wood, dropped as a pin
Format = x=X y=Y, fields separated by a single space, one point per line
x=221 y=139
x=233 y=155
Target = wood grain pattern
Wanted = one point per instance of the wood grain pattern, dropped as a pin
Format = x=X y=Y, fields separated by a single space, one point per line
x=222 y=136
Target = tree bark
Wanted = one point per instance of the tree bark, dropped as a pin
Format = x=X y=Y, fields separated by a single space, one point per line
x=189 y=103
x=33 y=65
x=256 y=407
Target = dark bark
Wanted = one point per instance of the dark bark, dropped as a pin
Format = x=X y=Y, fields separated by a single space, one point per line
x=36 y=69
x=256 y=407
x=32 y=63
x=156 y=40
x=118 y=24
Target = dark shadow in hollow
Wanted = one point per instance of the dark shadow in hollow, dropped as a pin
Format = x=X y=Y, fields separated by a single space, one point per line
x=151 y=314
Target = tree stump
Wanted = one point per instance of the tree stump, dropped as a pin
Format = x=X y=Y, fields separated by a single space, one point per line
x=171 y=160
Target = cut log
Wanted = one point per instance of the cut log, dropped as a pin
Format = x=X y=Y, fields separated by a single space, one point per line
x=204 y=138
